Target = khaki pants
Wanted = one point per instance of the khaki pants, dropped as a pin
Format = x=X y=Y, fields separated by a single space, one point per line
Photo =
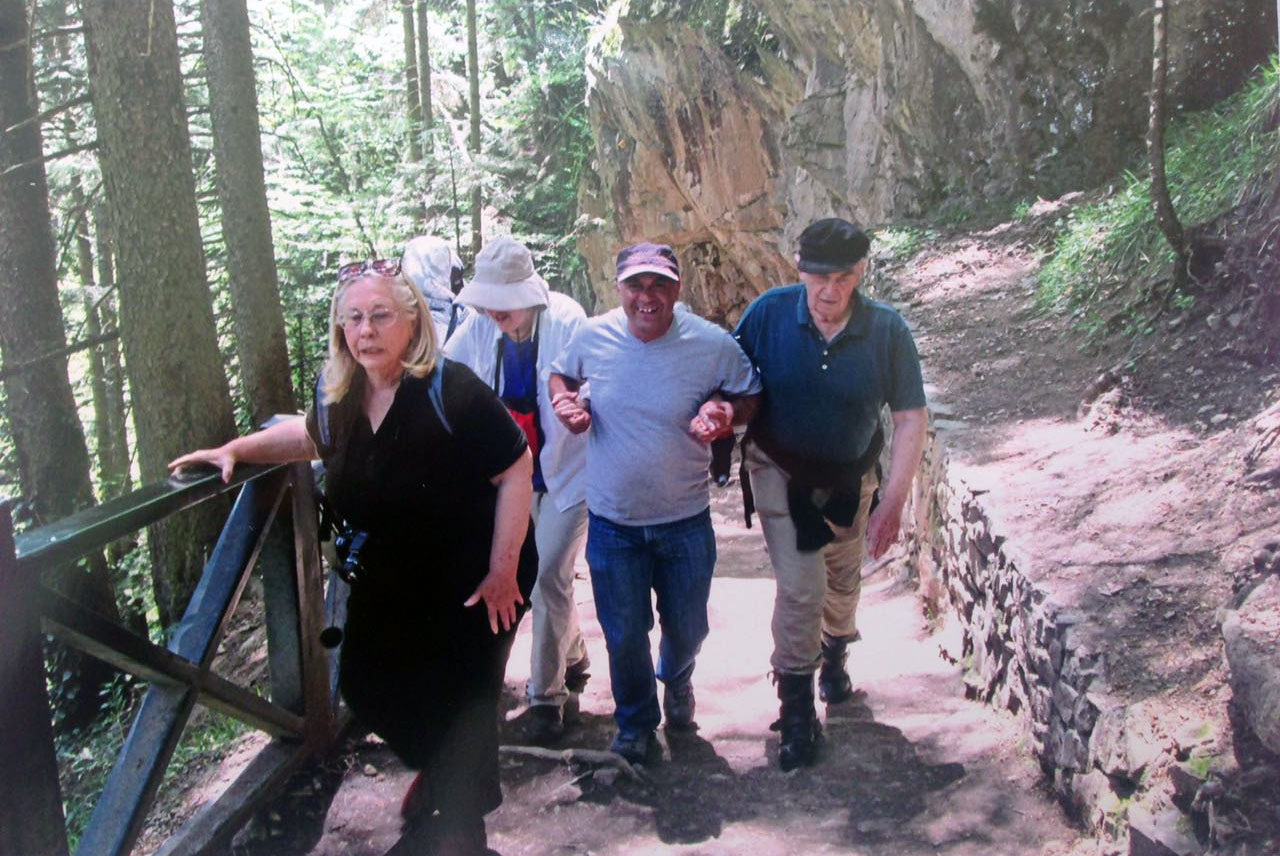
x=557 y=641
x=817 y=591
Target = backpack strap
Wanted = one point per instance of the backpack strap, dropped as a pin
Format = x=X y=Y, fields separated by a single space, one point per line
x=322 y=414
x=436 y=393
x=454 y=309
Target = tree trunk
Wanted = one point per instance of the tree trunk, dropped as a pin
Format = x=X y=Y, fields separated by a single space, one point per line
x=246 y=222
x=117 y=469
x=48 y=440
x=179 y=391
x=53 y=462
x=531 y=49
x=411 y=82
x=1166 y=217
x=525 y=23
x=453 y=189
x=424 y=71
x=473 y=79
x=110 y=435
x=103 y=438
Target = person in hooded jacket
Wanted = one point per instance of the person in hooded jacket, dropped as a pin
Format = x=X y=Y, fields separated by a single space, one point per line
x=434 y=267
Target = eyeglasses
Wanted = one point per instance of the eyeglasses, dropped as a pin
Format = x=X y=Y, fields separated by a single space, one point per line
x=380 y=318
x=381 y=267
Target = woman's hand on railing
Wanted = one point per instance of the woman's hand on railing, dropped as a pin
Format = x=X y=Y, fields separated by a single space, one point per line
x=222 y=458
x=283 y=441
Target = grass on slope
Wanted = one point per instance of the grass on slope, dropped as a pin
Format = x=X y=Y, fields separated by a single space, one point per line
x=1111 y=260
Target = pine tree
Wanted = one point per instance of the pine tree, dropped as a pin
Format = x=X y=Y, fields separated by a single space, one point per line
x=176 y=380
x=246 y=222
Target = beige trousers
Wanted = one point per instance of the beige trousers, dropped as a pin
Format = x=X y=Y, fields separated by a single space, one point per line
x=557 y=641
x=817 y=591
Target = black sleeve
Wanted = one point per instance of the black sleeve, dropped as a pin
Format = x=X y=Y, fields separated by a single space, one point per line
x=482 y=428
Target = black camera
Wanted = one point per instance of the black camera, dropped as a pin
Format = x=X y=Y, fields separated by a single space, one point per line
x=350 y=544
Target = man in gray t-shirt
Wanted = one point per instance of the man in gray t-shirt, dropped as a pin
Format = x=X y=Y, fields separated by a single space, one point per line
x=663 y=384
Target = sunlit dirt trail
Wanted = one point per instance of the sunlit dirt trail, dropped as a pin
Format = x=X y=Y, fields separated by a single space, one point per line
x=909 y=767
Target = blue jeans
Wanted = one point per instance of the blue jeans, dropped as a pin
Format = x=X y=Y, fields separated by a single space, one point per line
x=674 y=560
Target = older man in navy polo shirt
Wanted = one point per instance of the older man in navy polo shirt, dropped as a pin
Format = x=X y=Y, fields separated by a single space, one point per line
x=829 y=360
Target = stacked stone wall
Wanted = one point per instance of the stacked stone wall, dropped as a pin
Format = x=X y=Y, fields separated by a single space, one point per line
x=1021 y=651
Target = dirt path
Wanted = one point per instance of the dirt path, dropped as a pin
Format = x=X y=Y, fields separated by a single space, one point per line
x=1121 y=469
x=909 y=767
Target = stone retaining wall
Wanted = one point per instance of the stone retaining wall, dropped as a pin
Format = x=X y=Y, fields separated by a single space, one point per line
x=1021 y=651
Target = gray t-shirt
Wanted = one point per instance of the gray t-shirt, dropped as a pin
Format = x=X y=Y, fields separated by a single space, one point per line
x=643 y=465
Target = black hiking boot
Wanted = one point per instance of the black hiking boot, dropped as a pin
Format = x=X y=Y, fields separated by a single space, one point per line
x=575 y=676
x=801 y=731
x=834 y=685
x=546 y=725
x=637 y=747
x=679 y=705
x=575 y=681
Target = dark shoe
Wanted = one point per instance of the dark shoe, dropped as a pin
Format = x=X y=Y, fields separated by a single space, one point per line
x=801 y=731
x=834 y=685
x=679 y=705
x=546 y=725
x=575 y=676
x=637 y=747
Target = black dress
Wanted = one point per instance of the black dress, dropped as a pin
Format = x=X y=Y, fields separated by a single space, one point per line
x=417 y=668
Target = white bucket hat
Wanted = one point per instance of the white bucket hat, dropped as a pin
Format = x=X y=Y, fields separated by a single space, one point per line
x=504 y=278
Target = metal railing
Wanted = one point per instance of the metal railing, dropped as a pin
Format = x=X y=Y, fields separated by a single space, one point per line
x=273 y=526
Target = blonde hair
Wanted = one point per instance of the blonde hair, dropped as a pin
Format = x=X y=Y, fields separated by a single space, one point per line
x=420 y=357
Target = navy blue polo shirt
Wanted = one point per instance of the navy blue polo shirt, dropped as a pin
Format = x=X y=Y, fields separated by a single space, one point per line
x=822 y=399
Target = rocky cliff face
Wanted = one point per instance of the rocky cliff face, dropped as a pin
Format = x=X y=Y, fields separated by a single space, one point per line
x=869 y=109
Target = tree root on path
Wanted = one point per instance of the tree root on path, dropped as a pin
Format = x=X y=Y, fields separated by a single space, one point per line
x=573 y=755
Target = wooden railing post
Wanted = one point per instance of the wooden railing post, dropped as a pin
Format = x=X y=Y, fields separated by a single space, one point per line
x=310 y=583
x=277 y=566
x=31 y=819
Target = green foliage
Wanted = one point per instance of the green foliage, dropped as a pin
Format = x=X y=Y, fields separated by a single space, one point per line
x=1202 y=764
x=900 y=243
x=85 y=758
x=339 y=183
x=739 y=25
x=541 y=139
x=740 y=29
x=1110 y=257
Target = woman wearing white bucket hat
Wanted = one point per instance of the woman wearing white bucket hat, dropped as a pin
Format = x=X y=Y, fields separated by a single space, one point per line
x=520 y=328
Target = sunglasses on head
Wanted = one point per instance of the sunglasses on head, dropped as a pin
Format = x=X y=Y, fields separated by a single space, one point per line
x=381 y=267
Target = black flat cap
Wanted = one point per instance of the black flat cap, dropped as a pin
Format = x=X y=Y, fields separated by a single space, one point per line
x=832 y=245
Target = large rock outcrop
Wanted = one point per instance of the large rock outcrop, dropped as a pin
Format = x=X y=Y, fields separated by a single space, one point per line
x=1252 y=635
x=871 y=109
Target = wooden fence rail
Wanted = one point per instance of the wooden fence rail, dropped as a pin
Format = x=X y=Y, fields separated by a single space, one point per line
x=273 y=527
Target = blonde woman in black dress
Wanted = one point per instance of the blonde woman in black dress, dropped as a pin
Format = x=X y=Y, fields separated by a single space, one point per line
x=410 y=440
